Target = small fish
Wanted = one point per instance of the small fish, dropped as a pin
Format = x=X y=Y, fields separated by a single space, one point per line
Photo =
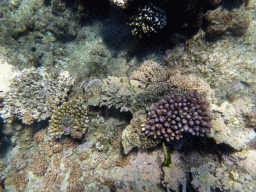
x=245 y=83
x=147 y=85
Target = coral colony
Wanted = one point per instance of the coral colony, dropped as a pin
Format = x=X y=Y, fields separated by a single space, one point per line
x=70 y=119
x=148 y=20
x=170 y=118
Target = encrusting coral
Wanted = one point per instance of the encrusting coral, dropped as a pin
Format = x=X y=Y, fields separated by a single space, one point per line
x=71 y=118
x=33 y=95
x=170 y=118
x=116 y=91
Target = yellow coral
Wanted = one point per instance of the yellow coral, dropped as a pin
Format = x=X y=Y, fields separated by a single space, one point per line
x=70 y=119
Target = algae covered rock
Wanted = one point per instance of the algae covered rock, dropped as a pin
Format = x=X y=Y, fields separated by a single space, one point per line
x=229 y=127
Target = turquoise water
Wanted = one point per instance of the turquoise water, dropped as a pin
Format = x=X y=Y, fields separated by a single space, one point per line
x=78 y=83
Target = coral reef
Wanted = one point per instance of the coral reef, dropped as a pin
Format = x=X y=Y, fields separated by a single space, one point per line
x=229 y=126
x=151 y=72
x=149 y=19
x=133 y=136
x=47 y=32
x=71 y=118
x=116 y=92
x=33 y=95
x=170 y=118
x=191 y=83
x=221 y=21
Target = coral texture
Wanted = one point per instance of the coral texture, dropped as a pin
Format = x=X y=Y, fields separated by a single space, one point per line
x=34 y=94
x=151 y=72
x=229 y=126
x=116 y=92
x=133 y=136
x=191 y=83
x=170 y=118
x=149 y=19
x=70 y=119
x=222 y=21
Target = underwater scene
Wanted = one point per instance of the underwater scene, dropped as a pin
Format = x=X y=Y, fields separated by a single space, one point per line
x=127 y=96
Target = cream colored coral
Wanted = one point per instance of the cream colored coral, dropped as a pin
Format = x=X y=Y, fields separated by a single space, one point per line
x=224 y=130
x=151 y=72
x=191 y=83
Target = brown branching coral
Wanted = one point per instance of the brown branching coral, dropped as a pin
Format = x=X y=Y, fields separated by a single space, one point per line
x=50 y=176
x=39 y=137
x=39 y=165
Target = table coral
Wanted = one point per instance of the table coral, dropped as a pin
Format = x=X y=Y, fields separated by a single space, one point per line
x=33 y=95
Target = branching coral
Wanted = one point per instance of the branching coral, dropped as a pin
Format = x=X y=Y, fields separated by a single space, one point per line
x=33 y=95
x=70 y=119
x=149 y=19
x=170 y=118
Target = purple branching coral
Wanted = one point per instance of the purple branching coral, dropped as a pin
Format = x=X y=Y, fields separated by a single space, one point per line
x=171 y=118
